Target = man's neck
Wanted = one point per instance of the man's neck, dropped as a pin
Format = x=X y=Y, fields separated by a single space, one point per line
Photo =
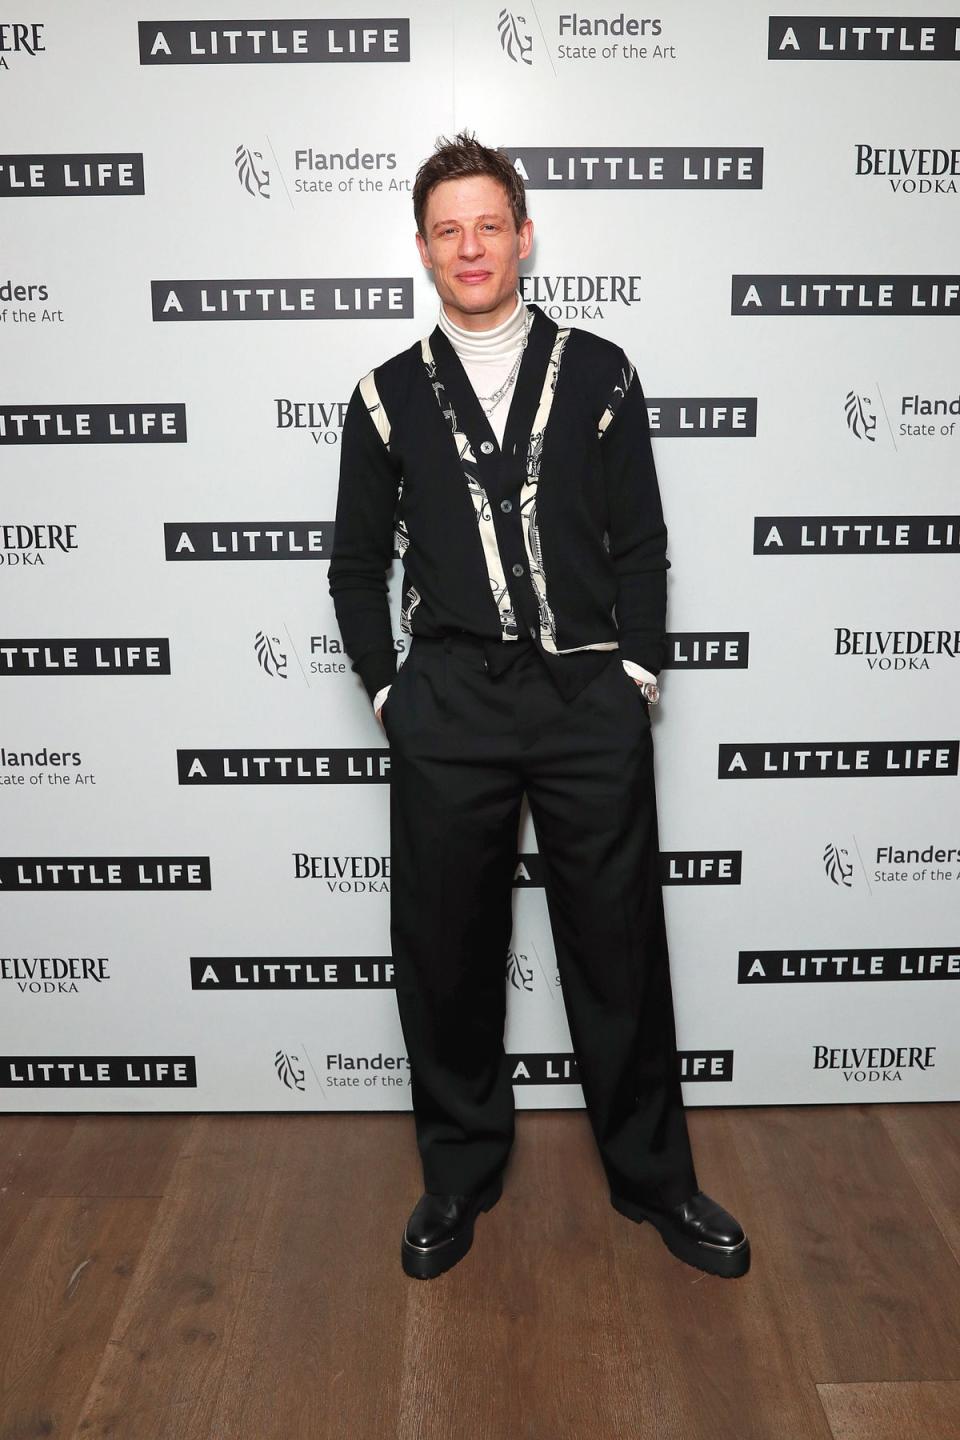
x=476 y=323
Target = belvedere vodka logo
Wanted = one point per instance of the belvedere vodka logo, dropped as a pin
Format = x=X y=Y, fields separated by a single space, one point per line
x=899 y=651
x=53 y=974
x=322 y=420
x=252 y=173
x=918 y=171
x=874 y=1064
x=19 y=39
x=345 y=874
x=23 y=546
x=579 y=297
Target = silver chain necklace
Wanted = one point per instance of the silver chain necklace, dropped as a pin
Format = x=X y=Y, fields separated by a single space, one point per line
x=489 y=403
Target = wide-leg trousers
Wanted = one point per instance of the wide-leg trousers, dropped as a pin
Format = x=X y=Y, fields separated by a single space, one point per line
x=465 y=745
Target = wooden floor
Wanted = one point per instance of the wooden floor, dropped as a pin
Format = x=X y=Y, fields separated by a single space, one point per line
x=238 y=1277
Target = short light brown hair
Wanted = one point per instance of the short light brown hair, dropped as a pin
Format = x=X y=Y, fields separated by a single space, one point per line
x=464 y=155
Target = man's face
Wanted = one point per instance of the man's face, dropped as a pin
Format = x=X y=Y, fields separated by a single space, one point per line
x=473 y=249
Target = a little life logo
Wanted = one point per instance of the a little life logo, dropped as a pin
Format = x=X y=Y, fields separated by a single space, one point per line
x=252 y=173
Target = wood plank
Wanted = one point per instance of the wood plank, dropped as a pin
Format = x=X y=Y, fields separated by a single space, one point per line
x=927 y=1138
x=160 y=1375
x=317 y=1345
x=63 y=1278
x=901 y=1410
x=872 y=1286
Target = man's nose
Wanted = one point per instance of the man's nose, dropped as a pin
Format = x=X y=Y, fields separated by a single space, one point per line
x=470 y=245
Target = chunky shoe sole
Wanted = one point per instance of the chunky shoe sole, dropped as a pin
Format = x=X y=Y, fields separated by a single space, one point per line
x=425 y=1262
x=729 y=1261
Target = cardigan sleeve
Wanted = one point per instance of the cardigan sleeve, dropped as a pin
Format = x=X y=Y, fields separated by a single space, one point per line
x=636 y=529
x=363 y=541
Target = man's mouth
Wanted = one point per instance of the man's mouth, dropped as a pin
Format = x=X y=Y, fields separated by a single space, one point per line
x=473 y=277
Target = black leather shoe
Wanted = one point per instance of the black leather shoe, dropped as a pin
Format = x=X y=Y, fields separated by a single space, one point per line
x=698 y=1230
x=440 y=1230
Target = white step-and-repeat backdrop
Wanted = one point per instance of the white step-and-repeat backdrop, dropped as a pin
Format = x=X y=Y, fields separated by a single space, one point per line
x=206 y=238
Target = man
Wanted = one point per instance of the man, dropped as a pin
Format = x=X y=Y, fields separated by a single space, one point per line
x=509 y=461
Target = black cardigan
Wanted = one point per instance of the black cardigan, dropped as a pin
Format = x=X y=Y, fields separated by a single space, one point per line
x=558 y=535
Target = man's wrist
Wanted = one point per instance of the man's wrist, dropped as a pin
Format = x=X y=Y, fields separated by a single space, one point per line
x=637 y=671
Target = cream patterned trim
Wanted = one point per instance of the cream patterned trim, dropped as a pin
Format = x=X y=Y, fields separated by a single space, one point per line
x=528 y=507
x=619 y=390
x=371 y=398
x=375 y=409
x=481 y=503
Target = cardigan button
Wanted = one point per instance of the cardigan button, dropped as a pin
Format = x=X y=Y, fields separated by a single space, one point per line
x=506 y=506
x=486 y=446
x=518 y=569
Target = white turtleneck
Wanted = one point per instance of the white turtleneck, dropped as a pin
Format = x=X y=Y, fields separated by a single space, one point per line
x=487 y=356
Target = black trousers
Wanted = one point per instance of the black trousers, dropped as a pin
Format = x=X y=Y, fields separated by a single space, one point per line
x=465 y=744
